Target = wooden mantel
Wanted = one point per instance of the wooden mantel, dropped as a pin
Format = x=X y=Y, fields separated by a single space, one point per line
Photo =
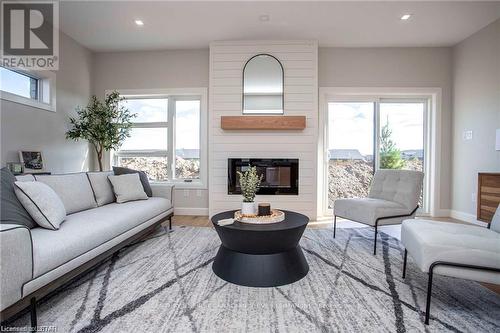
x=263 y=122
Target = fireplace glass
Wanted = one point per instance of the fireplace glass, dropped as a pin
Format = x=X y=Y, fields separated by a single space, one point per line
x=279 y=176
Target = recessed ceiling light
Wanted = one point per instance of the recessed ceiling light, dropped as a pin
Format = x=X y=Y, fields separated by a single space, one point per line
x=405 y=17
x=264 y=18
x=139 y=23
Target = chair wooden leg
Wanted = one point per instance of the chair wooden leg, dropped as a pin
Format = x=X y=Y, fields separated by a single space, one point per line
x=429 y=294
x=334 y=224
x=33 y=313
x=375 y=241
x=404 y=263
x=170 y=223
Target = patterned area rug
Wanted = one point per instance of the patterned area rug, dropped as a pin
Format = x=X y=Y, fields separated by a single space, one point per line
x=166 y=284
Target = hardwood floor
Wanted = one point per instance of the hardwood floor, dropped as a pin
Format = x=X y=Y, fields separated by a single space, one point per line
x=203 y=221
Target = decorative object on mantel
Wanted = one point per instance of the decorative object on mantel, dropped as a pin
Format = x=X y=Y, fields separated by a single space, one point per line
x=104 y=124
x=264 y=209
x=249 y=183
x=263 y=122
x=32 y=161
x=275 y=217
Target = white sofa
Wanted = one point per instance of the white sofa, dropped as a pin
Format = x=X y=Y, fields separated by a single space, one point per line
x=463 y=251
x=36 y=261
x=393 y=197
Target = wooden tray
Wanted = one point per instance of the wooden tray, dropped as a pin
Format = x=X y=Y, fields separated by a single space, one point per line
x=275 y=217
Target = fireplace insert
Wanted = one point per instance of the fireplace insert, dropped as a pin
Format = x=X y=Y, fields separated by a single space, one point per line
x=279 y=176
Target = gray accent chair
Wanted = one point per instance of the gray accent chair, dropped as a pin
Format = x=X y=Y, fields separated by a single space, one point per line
x=393 y=197
x=36 y=261
x=463 y=251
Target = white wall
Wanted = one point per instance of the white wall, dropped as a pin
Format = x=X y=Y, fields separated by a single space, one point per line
x=299 y=59
x=397 y=67
x=476 y=107
x=156 y=70
x=28 y=128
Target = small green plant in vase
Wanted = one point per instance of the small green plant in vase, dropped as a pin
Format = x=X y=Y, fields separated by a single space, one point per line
x=249 y=183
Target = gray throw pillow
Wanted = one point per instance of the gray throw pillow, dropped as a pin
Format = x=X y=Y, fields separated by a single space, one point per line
x=103 y=191
x=142 y=175
x=42 y=203
x=11 y=209
x=127 y=187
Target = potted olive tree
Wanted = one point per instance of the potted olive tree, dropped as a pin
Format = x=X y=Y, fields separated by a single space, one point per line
x=104 y=124
x=249 y=183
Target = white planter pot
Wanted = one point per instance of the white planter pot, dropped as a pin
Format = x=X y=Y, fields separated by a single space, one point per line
x=248 y=208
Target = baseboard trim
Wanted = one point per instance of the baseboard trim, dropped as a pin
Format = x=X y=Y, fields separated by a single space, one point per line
x=441 y=213
x=470 y=218
x=191 y=211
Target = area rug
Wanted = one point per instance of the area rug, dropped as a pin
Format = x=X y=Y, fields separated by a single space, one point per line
x=166 y=284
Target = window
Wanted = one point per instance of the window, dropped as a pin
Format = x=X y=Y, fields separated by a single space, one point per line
x=32 y=89
x=166 y=138
x=18 y=83
x=355 y=153
x=367 y=129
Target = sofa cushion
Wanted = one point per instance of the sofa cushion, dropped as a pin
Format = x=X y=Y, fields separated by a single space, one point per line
x=401 y=186
x=42 y=203
x=368 y=210
x=142 y=175
x=25 y=178
x=11 y=209
x=127 y=188
x=83 y=231
x=73 y=189
x=431 y=241
x=103 y=191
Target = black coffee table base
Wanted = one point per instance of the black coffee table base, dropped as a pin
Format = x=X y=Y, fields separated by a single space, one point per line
x=260 y=270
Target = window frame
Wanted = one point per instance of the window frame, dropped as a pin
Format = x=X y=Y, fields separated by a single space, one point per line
x=173 y=95
x=432 y=135
x=46 y=90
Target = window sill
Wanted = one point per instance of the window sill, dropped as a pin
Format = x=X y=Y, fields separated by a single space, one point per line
x=198 y=185
x=26 y=101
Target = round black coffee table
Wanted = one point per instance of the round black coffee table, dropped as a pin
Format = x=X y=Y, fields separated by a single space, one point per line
x=265 y=255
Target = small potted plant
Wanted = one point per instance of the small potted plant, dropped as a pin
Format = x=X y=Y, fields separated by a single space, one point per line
x=249 y=183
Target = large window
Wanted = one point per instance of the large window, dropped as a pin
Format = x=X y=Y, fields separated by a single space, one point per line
x=32 y=89
x=366 y=135
x=166 y=138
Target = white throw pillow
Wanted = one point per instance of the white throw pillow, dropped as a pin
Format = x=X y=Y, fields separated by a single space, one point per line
x=42 y=203
x=127 y=187
x=495 y=222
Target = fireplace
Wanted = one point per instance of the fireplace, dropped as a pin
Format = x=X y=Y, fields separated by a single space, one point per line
x=279 y=176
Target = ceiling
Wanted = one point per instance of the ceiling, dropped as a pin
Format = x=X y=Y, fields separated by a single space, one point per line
x=109 y=25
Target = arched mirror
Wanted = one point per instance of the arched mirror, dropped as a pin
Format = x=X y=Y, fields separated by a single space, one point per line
x=263 y=85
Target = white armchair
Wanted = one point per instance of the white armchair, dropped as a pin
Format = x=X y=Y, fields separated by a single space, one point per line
x=464 y=251
x=393 y=197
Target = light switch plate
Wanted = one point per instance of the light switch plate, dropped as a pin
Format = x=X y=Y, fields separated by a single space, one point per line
x=467 y=135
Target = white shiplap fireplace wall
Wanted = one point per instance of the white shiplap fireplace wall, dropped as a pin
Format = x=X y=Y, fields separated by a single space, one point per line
x=300 y=63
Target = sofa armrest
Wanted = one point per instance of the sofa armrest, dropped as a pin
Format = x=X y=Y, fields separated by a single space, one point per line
x=164 y=191
x=16 y=262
